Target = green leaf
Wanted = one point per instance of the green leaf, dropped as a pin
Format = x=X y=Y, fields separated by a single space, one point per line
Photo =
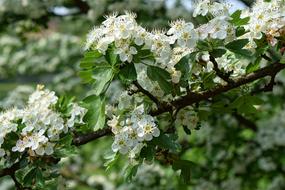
x=103 y=76
x=86 y=76
x=167 y=141
x=237 y=44
x=236 y=47
x=253 y=66
x=30 y=176
x=95 y=116
x=65 y=147
x=240 y=31
x=131 y=172
x=148 y=152
x=161 y=76
x=237 y=21
x=203 y=45
x=128 y=73
x=40 y=182
x=90 y=58
x=111 y=57
x=111 y=160
x=245 y=104
x=218 y=52
x=184 y=67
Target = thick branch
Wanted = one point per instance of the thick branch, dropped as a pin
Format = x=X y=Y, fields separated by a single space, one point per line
x=193 y=98
x=85 y=138
x=10 y=171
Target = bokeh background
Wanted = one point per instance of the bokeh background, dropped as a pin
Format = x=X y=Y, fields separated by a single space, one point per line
x=41 y=41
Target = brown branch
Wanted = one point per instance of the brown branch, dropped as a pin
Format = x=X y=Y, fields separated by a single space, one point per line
x=85 y=138
x=147 y=93
x=193 y=98
x=10 y=171
x=221 y=74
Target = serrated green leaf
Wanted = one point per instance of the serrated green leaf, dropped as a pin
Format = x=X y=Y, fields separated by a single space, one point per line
x=237 y=44
x=148 y=152
x=40 y=182
x=30 y=176
x=253 y=66
x=111 y=57
x=89 y=59
x=245 y=104
x=218 y=52
x=86 y=76
x=161 y=76
x=282 y=60
x=236 y=47
x=95 y=116
x=128 y=73
x=131 y=172
x=102 y=75
x=111 y=160
x=237 y=20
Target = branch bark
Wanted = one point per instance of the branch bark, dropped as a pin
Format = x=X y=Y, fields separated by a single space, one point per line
x=192 y=98
x=85 y=138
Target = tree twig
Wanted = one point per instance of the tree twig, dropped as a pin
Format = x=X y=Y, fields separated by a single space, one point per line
x=221 y=74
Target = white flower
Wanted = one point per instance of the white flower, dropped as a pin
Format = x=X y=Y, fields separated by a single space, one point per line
x=121 y=143
x=103 y=44
x=201 y=8
x=140 y=36
x=147 y=128
x=20 y=146
x=45 y=148
x=126 y=54
x=114 y=124
x=76 y=112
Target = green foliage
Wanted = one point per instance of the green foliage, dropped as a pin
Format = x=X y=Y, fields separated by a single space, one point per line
x=236 y=47
x=95 y=117
x=128 y=73
x=245 y=104
x=161 y=76
x=237 y=20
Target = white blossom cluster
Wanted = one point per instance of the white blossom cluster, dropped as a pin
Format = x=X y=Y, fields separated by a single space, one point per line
x=181 y=38
x=38 y=125
x=187 y=117
x=131 y=132
x=219 y=26
x=267 y=18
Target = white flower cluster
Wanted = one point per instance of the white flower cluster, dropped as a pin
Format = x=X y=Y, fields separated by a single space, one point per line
x=187 y=117
x=217 y=28
x=267 y=18
x=131 y=132
x=38 y=125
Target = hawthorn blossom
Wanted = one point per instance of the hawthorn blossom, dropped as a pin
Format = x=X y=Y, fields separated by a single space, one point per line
x=38 y=125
